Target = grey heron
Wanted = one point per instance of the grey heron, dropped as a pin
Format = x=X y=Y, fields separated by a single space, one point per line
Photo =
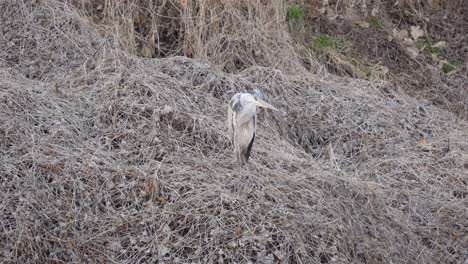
x=242 y=123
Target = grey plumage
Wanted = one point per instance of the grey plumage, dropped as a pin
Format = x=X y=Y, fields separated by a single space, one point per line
x=242 y=122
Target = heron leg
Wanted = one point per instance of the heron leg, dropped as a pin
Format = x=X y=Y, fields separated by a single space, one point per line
x=250 y=177
x=239 y=162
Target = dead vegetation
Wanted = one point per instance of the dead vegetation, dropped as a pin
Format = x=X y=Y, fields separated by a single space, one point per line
x=419 y=45
x=231 y=34
x=110 y=156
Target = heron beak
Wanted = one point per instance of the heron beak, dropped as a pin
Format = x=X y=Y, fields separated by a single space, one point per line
x=264 y=104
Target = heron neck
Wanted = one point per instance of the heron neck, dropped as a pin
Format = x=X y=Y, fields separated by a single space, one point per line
x=247 y=113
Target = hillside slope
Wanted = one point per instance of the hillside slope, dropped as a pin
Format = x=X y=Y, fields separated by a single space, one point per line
x=109 y=156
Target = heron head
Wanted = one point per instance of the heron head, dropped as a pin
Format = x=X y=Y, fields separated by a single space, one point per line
x=258 y=101
x=257 y=93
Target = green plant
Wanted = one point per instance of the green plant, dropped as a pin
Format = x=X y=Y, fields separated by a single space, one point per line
x=427 y=45
x=448 y=67
x=324 y=41
x=295 y=13
x=376 y=23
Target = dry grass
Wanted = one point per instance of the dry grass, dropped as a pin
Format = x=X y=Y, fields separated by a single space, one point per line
x=31 y=32
x=366 y=27
x=233 y=34
x=126 y=159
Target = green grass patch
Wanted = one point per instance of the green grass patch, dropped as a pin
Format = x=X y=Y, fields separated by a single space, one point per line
x=295 y=13
x=376 y=23
x=448 y=67
x=427 y=45
x=341 y=59
x=325 y=41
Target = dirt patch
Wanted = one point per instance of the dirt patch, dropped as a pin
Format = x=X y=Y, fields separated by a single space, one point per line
x=371 y=36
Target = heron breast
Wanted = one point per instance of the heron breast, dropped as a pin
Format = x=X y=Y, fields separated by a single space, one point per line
x=245 y=133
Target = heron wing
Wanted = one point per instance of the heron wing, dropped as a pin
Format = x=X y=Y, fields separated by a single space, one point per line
x=249 y=148
x=229 y=123
x=233 y=108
